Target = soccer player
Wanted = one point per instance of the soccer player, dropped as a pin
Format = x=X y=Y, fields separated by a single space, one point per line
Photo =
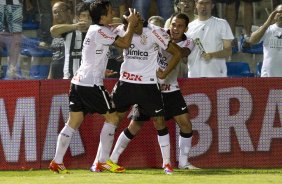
x=87 y=93
x=174 y=103
x=138 y=82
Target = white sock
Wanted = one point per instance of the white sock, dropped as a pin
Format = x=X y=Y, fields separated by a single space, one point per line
x=106 y=141
x=63 y=143
x=164 y=143
x=120 y=146
x=184 y=147
x=97 y=154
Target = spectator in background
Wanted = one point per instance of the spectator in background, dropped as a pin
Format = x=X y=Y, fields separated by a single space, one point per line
x=184 y=6
x=165 y=8
x=44 y=10
x=74 y=35
x=275 y=3
x=61 y=15
x=123 y=6
x=12 y=13
x=271 y=35
x=157 y=21
x=45 y=20
x=231 y=14
x=208 y=58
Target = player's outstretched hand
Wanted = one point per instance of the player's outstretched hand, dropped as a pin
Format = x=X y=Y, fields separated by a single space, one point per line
x=133 y=16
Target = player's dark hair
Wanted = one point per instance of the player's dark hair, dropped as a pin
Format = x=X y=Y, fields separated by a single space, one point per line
x=97 y=9
x=81 y=7
x=182 y=16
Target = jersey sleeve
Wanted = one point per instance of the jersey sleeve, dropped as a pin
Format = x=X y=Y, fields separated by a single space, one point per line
x=188 y=43
x=161 y=37
x=119 y=30
x=226 y=32
x=105 y=36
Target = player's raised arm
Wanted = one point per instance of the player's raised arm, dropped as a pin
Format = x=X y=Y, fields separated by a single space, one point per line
x=125 y=41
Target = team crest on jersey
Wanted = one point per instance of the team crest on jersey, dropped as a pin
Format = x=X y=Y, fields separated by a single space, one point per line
x=143 y=39
x=156 y=46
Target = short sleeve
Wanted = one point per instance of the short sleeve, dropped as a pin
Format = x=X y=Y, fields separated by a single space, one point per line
x=105 y=36
x=188 y=43
x=226 y=32
x=161 y=37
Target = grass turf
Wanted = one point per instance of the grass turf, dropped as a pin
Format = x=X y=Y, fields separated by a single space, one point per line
x=146 y=176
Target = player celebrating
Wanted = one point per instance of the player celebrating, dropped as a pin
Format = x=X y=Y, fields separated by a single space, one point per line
x=87 y=94
x=138 y=82
x=174 y=104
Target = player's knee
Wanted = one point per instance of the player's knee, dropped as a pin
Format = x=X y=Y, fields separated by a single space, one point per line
x=112 y=118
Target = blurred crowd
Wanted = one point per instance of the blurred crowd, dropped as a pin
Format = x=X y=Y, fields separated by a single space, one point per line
x=54 y=30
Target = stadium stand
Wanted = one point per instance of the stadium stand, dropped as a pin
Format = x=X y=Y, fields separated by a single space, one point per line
x=238 y=69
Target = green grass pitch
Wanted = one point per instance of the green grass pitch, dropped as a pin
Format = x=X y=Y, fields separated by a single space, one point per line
x=146 y=176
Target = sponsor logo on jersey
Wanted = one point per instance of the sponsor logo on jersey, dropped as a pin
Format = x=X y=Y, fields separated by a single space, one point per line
x=131 y=76
x=133 y=53
x=159 y=37
x=165 y=87
x=162 y=61
x=143 y=39
x=105 y=35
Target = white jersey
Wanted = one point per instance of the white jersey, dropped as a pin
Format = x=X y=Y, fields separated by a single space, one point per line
x=211 y=33
x=140 y=60
x=170 y=83
x=94 y=56
x=272 y=49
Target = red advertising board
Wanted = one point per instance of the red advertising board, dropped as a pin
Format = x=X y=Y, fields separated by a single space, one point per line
x=236 y=122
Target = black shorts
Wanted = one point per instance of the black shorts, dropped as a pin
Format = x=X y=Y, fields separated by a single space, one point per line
x=174 y=105
x=147 y=96
x=90 y=99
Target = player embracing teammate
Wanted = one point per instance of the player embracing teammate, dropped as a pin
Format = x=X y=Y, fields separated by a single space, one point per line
x=137 y=63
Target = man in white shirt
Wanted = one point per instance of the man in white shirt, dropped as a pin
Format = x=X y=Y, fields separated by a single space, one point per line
x=215 y=36
x=271 y=35
x=87 y=94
